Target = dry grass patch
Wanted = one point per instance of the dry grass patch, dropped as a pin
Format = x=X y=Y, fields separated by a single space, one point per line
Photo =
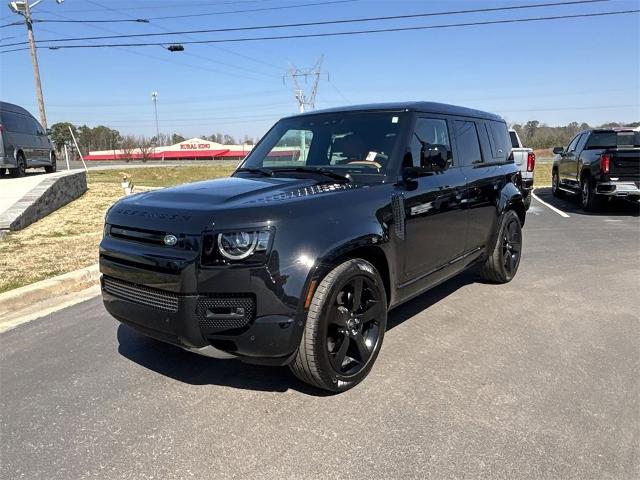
x=542 y=177
x=68 y=239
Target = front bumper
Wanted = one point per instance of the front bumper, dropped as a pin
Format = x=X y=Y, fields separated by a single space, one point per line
x=204 y=324
x=618 y=189
x=250 y=313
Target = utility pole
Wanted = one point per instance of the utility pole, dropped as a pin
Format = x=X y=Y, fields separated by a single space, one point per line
x=154 y=98
x=304 y=100
x=23 y=8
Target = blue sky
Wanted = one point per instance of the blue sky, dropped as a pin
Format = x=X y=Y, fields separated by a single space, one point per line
x=559 y=71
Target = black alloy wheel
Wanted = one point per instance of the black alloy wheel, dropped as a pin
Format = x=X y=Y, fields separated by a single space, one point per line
x=354 y=327
x=501 y=266
x=511 y=246
x=345 y=327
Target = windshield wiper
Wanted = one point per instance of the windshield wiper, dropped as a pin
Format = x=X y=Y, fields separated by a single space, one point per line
x=261 y=171
x=321 y=171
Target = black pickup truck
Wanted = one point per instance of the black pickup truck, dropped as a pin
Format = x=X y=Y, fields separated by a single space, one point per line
x=599 y=164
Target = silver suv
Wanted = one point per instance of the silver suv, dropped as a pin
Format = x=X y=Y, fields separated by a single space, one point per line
x=23 y=142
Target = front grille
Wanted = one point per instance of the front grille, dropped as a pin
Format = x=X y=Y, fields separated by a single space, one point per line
x=136 y=234
x=225 y=313
x=150 y=297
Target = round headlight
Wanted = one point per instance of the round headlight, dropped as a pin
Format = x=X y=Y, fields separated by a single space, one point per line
x=237 y=245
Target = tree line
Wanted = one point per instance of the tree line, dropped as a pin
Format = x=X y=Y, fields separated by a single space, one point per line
x=536 y=135
x=533 y=134
x=106 y=138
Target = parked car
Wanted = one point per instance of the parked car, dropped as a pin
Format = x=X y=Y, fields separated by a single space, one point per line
x=23 y=142
x=335 y=217
x=526 y=161
x=599 y=164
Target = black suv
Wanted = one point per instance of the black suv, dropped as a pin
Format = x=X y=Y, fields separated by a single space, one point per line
x=599 y=164
x=334 y=218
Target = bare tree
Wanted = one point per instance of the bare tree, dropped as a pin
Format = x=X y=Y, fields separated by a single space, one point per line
x=128 y=144
x=146 y=148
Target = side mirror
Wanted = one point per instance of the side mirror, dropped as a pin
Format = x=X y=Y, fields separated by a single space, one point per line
x=435 y=158
x=47 y=131
x=558 y=150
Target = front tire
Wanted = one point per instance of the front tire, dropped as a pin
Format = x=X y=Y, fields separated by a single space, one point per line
x=555 y=184
x=502 y=264
x=345 y=327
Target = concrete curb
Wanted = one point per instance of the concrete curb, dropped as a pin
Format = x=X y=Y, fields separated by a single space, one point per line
x=61 y=285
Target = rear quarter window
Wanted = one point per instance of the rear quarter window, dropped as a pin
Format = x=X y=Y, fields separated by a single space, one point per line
x=501 y=141
x=16 y=123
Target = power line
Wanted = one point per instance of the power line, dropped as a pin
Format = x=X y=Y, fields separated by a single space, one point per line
x=170 y=60
x=124 y=20
x=253 y=71
x=346 y=33
x=318 y=23
x=263 y=9
x=205 y=14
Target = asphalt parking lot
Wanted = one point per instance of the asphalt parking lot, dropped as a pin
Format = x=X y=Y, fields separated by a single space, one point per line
x=539 y=378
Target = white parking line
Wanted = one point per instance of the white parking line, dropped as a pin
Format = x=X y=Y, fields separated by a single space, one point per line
x=551 y=207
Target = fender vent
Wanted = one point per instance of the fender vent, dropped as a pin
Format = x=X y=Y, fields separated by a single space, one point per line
x=397 y=207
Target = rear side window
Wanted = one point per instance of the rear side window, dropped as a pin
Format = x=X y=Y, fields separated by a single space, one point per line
x=514 y=140
x=467 y=142
x=501 y=140
x=16 y=123
x=613 y=139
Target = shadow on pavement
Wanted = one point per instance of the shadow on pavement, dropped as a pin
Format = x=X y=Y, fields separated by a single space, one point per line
x=195 y=369
x=571 y=204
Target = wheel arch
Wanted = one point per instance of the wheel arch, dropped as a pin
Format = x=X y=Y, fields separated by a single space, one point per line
x=369 y=251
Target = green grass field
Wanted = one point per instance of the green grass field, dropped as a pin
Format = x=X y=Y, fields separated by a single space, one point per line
x=68 y=239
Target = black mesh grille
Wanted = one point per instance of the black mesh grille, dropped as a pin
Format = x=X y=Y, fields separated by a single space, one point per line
x=225 y=313
x=150 y=297
x=136 y=234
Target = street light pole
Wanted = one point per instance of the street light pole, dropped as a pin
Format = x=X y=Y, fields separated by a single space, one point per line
x=154 y=97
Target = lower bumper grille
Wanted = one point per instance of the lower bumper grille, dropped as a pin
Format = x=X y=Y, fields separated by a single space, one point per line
x=225 y=313
x=150 y=297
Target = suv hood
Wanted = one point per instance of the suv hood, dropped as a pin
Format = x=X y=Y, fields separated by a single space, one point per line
x=190 y=206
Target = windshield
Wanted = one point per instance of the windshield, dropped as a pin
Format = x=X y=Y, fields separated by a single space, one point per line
x=358 y=145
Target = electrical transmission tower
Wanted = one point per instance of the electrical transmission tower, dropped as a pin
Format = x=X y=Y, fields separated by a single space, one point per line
x=306 y=101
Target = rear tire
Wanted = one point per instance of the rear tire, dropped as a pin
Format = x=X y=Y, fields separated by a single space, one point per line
x=21 y=167
x=3 y=172
x=588 y=199
x=555 y=184
x=502 y=264
x=53 y=167
x=345 y=327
